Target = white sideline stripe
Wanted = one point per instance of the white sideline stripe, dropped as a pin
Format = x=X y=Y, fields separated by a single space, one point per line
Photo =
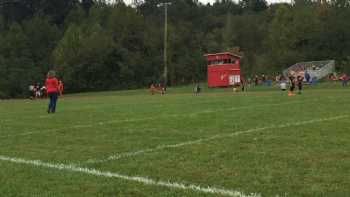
x=148 y=118
x=161 y=147
x=144 y=180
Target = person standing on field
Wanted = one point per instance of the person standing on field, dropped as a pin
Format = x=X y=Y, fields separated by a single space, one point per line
x=256 y=80
x=292 y=85
x=344 y=78
x=60 y=87
x=300 y=80
x=52 y=89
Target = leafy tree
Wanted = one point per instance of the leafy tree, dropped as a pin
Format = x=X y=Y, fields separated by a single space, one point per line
x=253 y=5
x=16 y=67
x=81 y=57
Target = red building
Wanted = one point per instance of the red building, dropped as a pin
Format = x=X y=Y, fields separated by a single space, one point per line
x=223 y=69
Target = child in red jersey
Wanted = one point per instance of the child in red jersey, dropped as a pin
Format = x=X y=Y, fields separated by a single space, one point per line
x=60 y=87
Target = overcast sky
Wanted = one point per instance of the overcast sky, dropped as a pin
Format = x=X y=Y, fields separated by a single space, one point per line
x=211 y=1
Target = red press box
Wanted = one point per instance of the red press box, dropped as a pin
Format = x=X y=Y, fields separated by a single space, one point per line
x=223 y=69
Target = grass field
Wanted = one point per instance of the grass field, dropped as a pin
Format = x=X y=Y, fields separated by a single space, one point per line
x=219 y=143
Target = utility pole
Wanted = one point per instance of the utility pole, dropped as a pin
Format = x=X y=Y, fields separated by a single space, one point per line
x=165 y=74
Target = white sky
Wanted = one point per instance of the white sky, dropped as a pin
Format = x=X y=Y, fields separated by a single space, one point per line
x=269 y=1
x=212 y=1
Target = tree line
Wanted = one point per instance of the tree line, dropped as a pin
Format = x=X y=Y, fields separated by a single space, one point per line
x=101 y=45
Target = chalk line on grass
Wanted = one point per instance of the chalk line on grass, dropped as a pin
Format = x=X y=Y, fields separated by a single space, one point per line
x=139 y=179
x=146 y=118
x=198 y=141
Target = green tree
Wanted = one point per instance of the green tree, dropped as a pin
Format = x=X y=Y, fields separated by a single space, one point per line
x=253 y=5
x=16 y=67
x=281 y=38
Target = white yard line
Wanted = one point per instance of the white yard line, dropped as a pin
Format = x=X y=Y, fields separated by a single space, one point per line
x=144 y=180
x=198 y=141
x=148 y=118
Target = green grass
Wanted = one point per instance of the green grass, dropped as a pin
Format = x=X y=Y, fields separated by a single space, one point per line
x=310 y=159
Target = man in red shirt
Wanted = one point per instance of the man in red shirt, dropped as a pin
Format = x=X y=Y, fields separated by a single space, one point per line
x=52 y=89
x=344 y=78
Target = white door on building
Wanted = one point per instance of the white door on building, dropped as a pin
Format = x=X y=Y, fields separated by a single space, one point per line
x=234 y=79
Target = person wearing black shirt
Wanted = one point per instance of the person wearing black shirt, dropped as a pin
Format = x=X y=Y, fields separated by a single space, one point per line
x=292 y=85
x=300 y=80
